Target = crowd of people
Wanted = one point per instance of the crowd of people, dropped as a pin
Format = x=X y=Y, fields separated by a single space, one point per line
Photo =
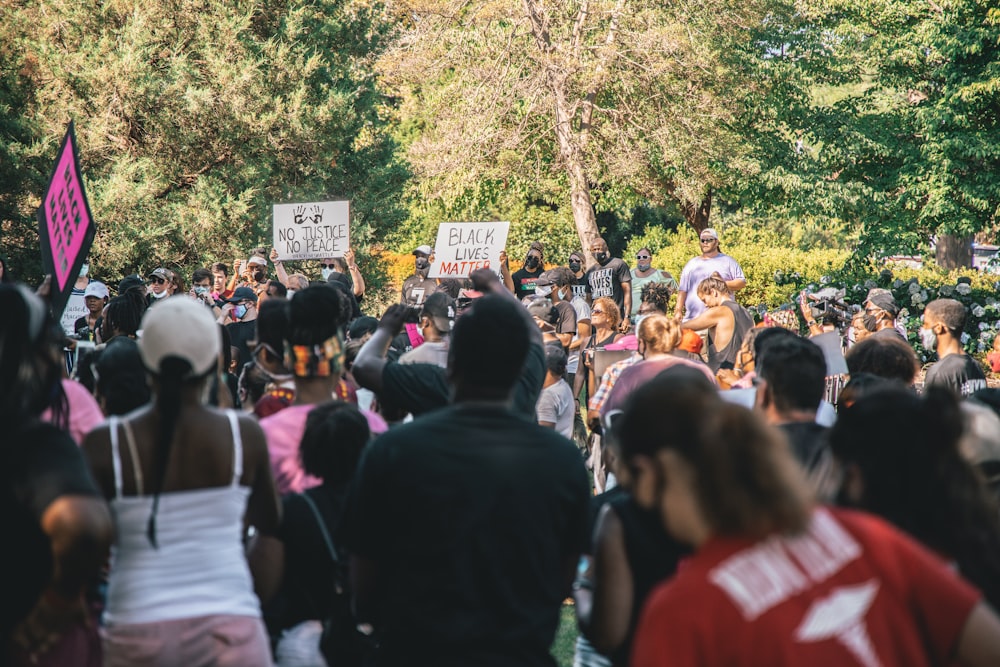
x=255 y=470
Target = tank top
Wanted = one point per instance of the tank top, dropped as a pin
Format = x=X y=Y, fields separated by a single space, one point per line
x=199 y=568
x=726 y=357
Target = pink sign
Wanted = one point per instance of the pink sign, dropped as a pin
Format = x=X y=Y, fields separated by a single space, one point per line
x=66 y=215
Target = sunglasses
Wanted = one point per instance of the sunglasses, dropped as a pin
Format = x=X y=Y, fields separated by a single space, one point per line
x=327 y=266
x=642 y=257
x=596 y=312
x=158 y=280
x=708 y=240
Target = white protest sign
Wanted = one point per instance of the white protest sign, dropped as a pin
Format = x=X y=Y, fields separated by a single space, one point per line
x=76 y=307
x=312 y=231
x=463 y=247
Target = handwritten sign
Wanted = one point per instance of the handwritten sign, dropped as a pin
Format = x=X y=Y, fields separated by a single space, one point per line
x=312 y=231
x=463 y=247
x=65 y=227
x=76 y=307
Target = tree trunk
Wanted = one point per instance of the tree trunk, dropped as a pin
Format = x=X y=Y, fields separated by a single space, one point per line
x=696 y=215
x=953 y=252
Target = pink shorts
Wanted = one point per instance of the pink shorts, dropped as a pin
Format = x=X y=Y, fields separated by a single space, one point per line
x=206 y=641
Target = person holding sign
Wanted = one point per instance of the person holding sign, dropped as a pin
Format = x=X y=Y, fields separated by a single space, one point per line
x=610 y=278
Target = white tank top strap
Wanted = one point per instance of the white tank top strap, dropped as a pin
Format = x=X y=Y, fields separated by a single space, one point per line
x=134 y=455
x=234 y=425
x=116 y=462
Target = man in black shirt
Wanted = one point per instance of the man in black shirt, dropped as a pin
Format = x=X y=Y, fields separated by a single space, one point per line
x=418 y=286
x=612 y=278
x=524 y=280
x=791 y=374
x=944 y=321
x=420 y=388
x=466 y=525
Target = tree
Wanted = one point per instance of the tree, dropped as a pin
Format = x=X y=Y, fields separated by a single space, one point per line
x=601 y=102
x=194 y=116
x=918 y=136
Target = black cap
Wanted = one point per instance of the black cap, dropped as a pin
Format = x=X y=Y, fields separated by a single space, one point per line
x=242 y=294
x=128 y=282
x=441 y=309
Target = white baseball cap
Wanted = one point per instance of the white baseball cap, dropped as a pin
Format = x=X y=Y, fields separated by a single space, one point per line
x=424 y=250
x=181 y=328
x=708 y=231
x=98 y=289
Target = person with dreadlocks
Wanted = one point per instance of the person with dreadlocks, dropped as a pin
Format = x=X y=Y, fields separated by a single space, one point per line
x=184 y=480
x=54 y=521
x=314 y=353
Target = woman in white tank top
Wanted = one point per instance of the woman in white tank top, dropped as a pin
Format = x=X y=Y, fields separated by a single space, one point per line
x=185 y=481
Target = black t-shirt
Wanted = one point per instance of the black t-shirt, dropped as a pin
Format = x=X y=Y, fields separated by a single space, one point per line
x=241 y=333
x=607 y=281
x=420 y=388
x=889 y=332
x=808 y=441
x=416 y=289
x=567 y=318
x=310 y=575
x=581 y=287
x=524 y=282
x=471 y=516
x=958 y=372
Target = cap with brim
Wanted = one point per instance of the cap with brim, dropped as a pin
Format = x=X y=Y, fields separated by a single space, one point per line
x=708 y=231
x=181 y=328
x=242 y=294
x=166 y=274
x=98 y=289
x=128 y=282
x=883 y=299
x=424 y=250
x=542 y=308
x=690 y=341
x=545 y=279
x=441 y=309
x=256 y=259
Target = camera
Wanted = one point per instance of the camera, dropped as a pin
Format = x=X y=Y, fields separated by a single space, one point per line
x=828 y=305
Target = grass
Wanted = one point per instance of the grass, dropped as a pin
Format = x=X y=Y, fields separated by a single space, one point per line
x=565 y=641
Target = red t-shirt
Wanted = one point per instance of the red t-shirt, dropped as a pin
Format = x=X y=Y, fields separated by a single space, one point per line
x=852 y=590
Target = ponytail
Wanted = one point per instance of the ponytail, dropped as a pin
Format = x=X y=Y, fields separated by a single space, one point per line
x=172 y=377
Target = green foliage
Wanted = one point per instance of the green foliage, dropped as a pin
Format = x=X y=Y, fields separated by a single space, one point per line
x=194 y=116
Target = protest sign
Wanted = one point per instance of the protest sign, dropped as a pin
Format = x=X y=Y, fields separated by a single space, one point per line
x=315 y=230
x=75 y=308
x=463 y=247
x=65 y=227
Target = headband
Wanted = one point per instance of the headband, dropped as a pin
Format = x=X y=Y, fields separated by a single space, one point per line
x=311 y=361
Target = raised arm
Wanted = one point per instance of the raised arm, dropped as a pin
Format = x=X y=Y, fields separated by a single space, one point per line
x=508 y=281
x=371 y=360
x=279 y=268
x=356 y=277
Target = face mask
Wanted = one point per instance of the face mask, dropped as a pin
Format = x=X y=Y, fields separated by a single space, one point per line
x=643 y=265
x=928 y=338
x=422 y=263
x=543 y=290
x=531 y=262
x=289 y=294
x=258 y=276
x=563 y=294
x=160 y=295
x=601 y=257
x=574 y=266
x=84 y=270
x=870 y=322
x=326 y=273
x=201 y=291
x=239 y=311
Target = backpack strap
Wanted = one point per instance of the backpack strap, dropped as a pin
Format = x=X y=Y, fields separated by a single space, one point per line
x=322 y=527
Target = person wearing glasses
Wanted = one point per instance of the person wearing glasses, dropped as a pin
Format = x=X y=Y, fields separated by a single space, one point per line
x=161 y=285
x=644 y=274
x=711 y=260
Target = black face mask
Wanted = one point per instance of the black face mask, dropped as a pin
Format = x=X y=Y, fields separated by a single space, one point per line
x=258 y=276
x=422 y=263
x=574 y=266
x=531 y=262
x=870 y=322
x=602 y=257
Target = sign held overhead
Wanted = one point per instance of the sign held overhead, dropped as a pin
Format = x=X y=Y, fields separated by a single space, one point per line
x=463 y=247
x=315 y=230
